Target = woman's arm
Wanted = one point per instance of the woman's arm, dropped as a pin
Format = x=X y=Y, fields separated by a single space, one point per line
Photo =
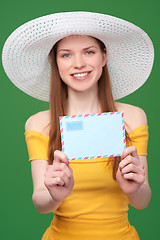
x=51 y=183
x=142 y=197
x=41 y=196
x=132 y=174
x=132 y=177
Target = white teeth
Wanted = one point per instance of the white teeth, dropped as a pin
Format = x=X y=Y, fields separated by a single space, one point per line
x=80 y=74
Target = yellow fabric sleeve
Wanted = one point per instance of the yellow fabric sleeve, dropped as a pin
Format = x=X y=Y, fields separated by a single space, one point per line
x=139 y=138
x=37 y=145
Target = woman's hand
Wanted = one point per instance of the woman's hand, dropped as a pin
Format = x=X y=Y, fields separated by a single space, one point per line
x=131 y=172
x=59 y=177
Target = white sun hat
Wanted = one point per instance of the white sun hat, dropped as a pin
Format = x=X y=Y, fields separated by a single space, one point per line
x=130 y=51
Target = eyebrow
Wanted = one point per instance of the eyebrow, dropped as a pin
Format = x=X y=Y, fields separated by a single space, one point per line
x=83 y=48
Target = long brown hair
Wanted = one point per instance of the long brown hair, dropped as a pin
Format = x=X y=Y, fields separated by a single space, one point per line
x=58 y=97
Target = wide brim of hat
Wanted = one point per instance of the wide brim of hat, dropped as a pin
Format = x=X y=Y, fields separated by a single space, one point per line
x=130 y=51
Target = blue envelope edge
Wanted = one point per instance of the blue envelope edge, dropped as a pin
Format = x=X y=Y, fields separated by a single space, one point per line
x=91 y=136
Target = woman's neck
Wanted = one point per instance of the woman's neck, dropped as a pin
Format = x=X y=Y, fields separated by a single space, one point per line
x=83 y=102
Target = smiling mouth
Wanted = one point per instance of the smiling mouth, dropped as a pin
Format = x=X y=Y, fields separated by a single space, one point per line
x=80 y=74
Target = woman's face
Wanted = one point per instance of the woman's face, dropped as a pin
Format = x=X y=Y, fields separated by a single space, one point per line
x=80 y=61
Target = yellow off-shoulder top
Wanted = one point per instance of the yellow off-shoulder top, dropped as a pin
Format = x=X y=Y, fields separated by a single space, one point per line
x=97 y=207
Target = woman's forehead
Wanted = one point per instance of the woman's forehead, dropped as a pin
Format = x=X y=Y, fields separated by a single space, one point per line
x=77 y=39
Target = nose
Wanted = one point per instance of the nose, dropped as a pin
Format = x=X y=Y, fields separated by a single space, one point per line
x=79 y=61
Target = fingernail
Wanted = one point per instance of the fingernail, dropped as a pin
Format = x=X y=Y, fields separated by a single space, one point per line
x=58 y=179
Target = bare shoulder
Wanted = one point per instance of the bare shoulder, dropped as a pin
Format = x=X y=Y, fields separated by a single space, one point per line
x=39 y=122
x=134 y=116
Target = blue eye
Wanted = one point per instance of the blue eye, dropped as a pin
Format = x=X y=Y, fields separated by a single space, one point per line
x=89 y=52
x=66 y=55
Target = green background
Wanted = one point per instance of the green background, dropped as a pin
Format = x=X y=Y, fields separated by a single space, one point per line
x=19 y=218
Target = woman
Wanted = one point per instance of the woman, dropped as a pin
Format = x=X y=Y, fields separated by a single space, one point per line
x=88 y=197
